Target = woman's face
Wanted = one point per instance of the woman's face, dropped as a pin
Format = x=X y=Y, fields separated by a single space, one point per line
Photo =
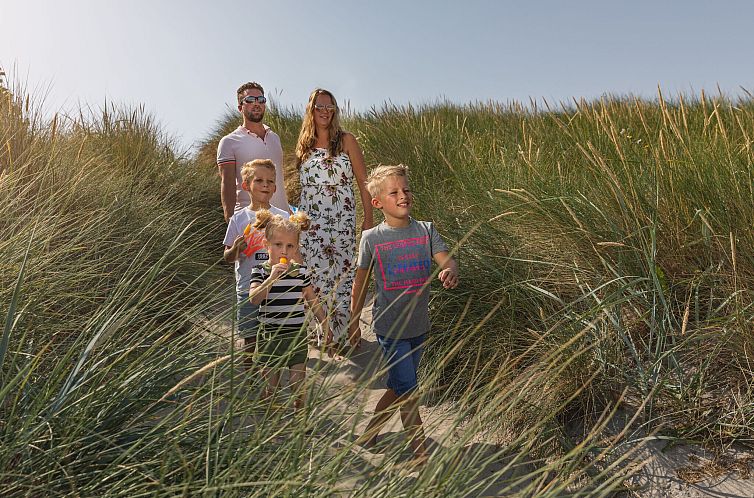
x=323 y=110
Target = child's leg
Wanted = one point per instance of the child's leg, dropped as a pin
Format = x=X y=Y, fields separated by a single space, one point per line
x=272 y=378
x=412 y=422
x=402 y=378
x=382 y=413
x=247 y=328
x=410 y=416
x=249 y=346
x=298 y=374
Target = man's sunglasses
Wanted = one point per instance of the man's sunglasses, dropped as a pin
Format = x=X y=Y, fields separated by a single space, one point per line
x=250 y=99
x=322 y=107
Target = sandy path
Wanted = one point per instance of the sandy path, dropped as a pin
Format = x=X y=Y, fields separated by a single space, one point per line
x=680 y=471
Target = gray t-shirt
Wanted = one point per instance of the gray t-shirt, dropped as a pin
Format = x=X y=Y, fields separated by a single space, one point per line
x=402 y=262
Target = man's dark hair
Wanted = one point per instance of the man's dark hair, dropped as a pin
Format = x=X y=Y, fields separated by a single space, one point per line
x=248 y=86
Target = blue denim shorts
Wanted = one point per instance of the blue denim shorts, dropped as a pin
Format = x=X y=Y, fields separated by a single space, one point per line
x=402 y=356
x=246 y=316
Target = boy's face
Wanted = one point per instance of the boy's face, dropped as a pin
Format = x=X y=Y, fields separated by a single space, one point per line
x=282 y=243
x=395 y=198
x=262 y=185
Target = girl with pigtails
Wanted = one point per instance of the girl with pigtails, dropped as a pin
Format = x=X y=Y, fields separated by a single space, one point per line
x=281 y=287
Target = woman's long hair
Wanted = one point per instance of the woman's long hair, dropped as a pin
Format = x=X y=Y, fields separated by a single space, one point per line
x=307 y=135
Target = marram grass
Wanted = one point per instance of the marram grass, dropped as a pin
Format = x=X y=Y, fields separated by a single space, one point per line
x=606 y=267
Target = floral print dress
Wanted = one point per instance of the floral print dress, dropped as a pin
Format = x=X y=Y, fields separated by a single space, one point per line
x=328 y=247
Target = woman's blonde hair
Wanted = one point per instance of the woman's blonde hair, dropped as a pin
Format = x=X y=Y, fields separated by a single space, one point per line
x=298 y=222
x=307 y=135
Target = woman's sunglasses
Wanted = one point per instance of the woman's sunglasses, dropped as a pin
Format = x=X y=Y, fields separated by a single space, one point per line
x=322 y=107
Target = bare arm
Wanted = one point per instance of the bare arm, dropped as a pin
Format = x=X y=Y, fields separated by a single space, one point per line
x=311 y=300
x=358 y=296
x=449 y=273
x=228 y=188
x=230 y=254
x=258 y=291
x=280 y=197
x=351 y=147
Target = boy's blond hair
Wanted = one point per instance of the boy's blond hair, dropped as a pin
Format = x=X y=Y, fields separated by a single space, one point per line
x=265 y=219
x=380 y=173
x=249 y=169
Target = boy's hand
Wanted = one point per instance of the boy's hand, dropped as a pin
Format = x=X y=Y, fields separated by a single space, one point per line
x=236 y=247
x=449 y=278
x=232 y=252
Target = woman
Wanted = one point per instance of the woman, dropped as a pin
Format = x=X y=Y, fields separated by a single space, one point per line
x=328 y=160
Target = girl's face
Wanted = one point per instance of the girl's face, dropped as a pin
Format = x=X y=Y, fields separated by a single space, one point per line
x=283 y=243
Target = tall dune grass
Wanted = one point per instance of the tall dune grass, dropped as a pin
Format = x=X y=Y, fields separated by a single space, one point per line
x=119 y=378
x=621 y=227
x=631 y=218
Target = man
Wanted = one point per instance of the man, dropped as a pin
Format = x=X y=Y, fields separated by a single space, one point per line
x=252 y=140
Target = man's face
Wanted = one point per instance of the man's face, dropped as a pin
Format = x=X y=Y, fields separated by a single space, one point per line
x=253 y=111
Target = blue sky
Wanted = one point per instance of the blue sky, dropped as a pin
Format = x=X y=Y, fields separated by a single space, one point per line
x=184 y=59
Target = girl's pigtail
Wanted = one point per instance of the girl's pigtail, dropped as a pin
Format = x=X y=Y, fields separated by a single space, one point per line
x=301 y=219
x=263 y=218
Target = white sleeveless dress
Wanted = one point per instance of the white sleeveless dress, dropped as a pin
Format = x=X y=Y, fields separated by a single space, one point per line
x=328 y=247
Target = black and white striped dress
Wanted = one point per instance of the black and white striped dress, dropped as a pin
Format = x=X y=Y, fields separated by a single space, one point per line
x=282 y=311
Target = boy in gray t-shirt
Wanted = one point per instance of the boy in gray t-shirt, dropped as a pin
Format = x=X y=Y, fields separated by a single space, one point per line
x=400 y=250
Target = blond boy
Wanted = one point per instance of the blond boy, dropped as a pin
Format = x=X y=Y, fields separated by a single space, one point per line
x=245 y=246
x=400 y=250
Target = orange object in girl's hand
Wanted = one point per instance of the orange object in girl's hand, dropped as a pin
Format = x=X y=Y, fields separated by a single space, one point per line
x=283 y=260
x=247 y=230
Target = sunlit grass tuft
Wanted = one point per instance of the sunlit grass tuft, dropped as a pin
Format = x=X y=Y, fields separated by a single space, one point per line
x=606 y=260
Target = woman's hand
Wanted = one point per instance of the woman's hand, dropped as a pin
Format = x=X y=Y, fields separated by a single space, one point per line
x=329 y=342
x=328 y=334
x=354 y=334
